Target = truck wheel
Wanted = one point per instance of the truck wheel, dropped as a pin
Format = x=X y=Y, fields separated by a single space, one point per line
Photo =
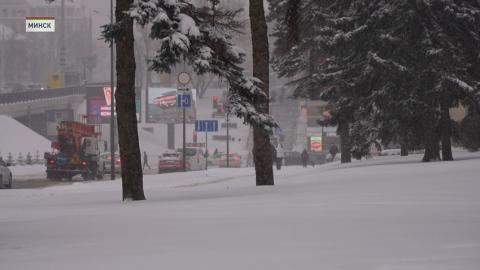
x=100 y=175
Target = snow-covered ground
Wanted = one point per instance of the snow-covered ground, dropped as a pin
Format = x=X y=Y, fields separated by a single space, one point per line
x=387 y=213
x=28 y=171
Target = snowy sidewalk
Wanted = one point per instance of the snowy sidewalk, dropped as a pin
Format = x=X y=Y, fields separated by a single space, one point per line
x=385 y=214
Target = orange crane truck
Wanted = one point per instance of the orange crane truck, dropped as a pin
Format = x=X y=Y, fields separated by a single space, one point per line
x=77 y=151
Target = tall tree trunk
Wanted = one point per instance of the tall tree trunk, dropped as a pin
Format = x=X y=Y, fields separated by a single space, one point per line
x=262 y=148
x=132 y=175
x=345 y=142
x=403 y=147
x=446 y=131
x=292 y=18
x=432 y=148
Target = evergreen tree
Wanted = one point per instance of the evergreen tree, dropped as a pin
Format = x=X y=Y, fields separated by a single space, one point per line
x=397 y=66
x=187 y=34
x=122 y=34
x=202 y=38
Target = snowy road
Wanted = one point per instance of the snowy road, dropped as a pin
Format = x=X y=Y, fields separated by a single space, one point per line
x=374 y=215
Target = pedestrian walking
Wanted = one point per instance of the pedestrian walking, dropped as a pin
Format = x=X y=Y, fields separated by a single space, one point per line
x=305 y=158
x=333 y=151
x=274 y=154
x=280 y=154
x=145 y=161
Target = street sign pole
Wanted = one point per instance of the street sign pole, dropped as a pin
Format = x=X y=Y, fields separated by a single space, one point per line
x=184 y=142
x=184 y=79
x=206 y=126
x=206 y=150
x=228 y=127
x=228 y=143
x=112 y=104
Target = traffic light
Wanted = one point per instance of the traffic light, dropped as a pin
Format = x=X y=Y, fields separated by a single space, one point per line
x=215 y=102
x=194 y=136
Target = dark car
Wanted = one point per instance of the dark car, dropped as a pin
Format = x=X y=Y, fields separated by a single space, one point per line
x=292 y=158
x=234 y=161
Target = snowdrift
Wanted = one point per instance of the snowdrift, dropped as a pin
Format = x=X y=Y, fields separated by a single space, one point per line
x=16 y=138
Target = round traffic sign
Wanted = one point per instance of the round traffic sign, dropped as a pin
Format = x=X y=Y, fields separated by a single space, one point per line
x=184 y=78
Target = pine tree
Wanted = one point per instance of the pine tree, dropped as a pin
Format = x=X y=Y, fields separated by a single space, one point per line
x=202 y=39
x=122 y=33
x=187 y=35
x=397 y=66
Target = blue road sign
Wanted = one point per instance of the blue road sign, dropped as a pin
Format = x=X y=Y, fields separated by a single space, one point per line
x=206 y=125
x=184 y=100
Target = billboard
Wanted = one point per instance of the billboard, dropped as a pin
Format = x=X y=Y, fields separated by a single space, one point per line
x=162 y=106
x=316 y=143
x=98 y=104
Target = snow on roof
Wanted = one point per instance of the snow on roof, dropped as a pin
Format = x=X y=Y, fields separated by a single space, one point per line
x=17 y=138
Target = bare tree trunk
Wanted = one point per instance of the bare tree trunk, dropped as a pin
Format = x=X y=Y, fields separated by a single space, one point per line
x=403 y=150
x=403 y=147
x=292 y=18
x=261 y=139
x=432 y=148
x=345 y=142
x=446 y=131
x=132 y=175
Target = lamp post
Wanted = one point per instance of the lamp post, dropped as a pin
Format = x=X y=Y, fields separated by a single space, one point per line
x=62 y=39
x=112 y=104
x=227 y=109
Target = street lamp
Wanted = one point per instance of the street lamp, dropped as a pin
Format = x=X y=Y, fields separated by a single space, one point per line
x=112 y=104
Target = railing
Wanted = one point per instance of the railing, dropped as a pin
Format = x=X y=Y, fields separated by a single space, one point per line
x=10 y=98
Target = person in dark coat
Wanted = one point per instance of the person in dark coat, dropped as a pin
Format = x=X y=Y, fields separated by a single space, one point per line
x=274 y=154
x=145 y=161
x=333 y=151
x=305 y=158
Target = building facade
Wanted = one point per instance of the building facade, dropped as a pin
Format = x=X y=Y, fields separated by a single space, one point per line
x=30 y=57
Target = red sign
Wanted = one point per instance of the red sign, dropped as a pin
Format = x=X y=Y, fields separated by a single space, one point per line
x=167 y=101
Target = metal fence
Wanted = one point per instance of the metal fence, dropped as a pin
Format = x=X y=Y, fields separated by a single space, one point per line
x=10 y=98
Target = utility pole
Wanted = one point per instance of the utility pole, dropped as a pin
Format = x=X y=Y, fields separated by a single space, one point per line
x=228 y=141
x=62 y=40
x=112 y=104
x=184 y=159
x=206 y=150
x=227 y=109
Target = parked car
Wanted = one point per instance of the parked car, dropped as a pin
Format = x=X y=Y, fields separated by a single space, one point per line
x=170 y=161
x=292 y=158
x=234 y=160
x=173 y=161
x=6 y=178
x=107 y=158
x=195 y=157
x=318 y=158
